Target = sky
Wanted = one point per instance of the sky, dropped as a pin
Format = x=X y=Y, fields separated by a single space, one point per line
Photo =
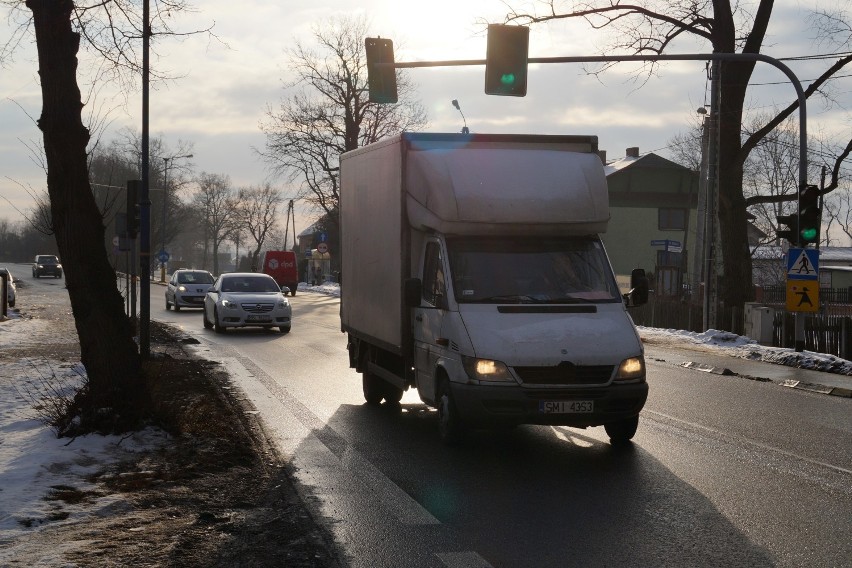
x=225 y=85
x=33 y=461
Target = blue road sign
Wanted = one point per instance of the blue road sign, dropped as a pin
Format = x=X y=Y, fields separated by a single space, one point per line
x=163 y=257
x=802 y=264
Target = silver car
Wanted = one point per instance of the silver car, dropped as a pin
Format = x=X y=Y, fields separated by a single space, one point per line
x=242 y=299
x=186 y=289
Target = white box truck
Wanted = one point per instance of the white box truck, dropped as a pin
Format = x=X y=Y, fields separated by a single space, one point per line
x=472 y=270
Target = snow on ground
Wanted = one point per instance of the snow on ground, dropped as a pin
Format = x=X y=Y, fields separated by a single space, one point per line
x=36 y=467
x=34 y=464
x=727 y=343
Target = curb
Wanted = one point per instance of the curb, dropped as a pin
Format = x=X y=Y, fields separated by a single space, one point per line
x=819 y=389
x=707 y=368
x=789 y=383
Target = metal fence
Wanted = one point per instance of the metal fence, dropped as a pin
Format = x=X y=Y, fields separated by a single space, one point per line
x=830 y=334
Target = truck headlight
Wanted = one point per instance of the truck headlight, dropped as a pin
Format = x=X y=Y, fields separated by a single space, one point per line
x=631 y=369
x=486 y=370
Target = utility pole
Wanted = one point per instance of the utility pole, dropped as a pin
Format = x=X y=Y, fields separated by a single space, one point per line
x=145 y=198
x=290 y=215
x=700 y=230
x=712 y=252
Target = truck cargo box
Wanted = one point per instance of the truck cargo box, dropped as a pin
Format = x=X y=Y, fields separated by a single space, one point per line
x=454 y=184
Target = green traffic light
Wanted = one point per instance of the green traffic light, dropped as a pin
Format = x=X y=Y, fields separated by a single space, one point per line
x=507 y=79
x=809 y=235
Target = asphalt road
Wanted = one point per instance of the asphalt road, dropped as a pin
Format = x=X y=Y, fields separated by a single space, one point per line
x=723 y=470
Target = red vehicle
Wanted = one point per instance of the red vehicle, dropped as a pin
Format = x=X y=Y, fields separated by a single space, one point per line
x=281 y=265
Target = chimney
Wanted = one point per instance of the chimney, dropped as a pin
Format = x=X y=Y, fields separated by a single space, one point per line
x=602 y=156
x=633 y=152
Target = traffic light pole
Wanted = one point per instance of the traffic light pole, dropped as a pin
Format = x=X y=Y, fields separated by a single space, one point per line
x=739 y=57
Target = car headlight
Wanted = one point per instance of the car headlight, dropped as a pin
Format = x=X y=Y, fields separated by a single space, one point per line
x=229 y=304
x=486 y=370
x=283 y=303
x=631 y=369
x=181 y=288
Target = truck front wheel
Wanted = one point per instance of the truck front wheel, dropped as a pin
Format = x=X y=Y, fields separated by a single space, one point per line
x=622 y=431
x=450 y=425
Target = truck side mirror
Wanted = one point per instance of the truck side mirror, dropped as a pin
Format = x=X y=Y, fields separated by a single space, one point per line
x=413 y=292
x=638 y=294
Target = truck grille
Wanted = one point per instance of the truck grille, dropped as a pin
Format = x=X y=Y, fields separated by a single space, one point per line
x=565 y=373
x=254 y=308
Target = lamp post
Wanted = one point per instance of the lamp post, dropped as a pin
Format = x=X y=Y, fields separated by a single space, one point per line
x=165 y=199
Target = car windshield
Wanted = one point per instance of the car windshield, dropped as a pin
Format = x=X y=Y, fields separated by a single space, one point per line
x=249 y=284
x=552 y=270
x=195 y=278
x=48 y=260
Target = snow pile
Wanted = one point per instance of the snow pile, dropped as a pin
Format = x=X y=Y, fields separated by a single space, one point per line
x=727 y=343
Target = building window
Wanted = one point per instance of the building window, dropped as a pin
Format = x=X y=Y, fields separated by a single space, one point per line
x=672 y=219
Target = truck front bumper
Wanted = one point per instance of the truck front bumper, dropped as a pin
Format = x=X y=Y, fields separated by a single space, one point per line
x=481 y=405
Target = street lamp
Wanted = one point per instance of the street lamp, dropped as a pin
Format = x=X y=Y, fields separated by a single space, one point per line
x=165 y=195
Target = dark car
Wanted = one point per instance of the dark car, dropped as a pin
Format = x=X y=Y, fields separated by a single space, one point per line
x=47 y=265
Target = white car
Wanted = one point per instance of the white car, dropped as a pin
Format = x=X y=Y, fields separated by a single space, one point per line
x=243 y=299
x=10 y=287
x=186 y=288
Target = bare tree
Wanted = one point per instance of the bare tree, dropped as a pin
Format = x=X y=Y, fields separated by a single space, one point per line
x=772 y=170
x=329 y=113
x=649 y=27
x=258 y=211
x=111 y=30
x=216 y=198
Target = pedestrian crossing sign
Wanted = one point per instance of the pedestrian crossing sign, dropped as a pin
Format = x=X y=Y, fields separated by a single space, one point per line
x=802 y=295
x=803 y=264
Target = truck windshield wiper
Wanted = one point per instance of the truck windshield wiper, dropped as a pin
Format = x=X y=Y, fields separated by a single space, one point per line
x=569 y=300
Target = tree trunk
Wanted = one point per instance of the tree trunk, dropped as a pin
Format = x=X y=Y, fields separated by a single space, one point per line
x=736 y=284
x=107 y=348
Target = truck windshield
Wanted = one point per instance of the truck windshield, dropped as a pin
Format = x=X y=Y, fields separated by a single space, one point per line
x=551 y=270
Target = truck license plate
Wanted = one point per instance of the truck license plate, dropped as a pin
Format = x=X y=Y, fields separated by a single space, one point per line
x=566 y=406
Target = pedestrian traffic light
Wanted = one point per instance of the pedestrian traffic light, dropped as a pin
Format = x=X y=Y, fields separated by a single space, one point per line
x=132 y=208
x=791 y=233
x=810 y=215
x=381 y=80
x=506 y=60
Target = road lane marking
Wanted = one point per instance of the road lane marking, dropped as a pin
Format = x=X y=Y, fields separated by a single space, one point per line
x=746 y=441
x=287 y=410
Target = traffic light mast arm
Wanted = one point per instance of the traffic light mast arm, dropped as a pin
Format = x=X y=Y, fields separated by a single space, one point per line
x=800 y=93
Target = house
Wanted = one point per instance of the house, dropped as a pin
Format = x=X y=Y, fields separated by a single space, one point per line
x=653 y=225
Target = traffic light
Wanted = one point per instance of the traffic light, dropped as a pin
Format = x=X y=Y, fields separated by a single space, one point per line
x=810 y=215
x=381 y=80
x=132 y=208
x=792 y=232
x=506 y=60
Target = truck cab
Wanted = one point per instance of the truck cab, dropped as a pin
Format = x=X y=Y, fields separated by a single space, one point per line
x=532 y=330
